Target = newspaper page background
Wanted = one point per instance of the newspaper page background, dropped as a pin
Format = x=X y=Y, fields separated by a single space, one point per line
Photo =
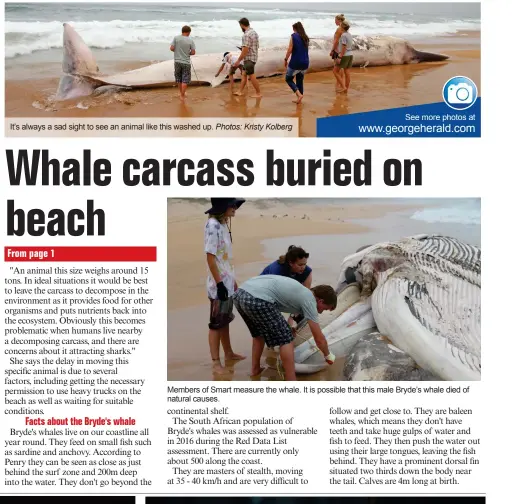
x=114 y=419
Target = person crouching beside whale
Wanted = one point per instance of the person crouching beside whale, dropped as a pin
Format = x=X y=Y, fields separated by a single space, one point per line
x=261 y=300
x=294 y=265
x=183 y=47
x=230 y=59
x=221 y=283
x=299 y=61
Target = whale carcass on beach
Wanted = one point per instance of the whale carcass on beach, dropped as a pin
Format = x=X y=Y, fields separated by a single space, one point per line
x=82 y=76
x=421 y=292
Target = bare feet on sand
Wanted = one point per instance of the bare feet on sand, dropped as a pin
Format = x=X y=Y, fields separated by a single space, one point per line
x=235 y=356
x=238 y=93
x=298 y=100
x=218 y=369
x=256 y=372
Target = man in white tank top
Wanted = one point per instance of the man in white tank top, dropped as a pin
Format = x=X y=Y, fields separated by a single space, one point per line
x=229 y=60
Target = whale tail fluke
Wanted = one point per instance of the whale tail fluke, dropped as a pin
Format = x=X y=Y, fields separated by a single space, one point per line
x=75 y=86
x=423 y=57
x=78 y=64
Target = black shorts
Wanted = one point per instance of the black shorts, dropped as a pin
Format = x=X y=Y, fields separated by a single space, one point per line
x=249 y=67
x=234 y=69
x=263 y=319
x=182 y=72
x=221 y=313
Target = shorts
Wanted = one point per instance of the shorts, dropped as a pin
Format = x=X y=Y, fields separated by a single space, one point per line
x=249 y=67
x=182 y=72
x=221 y=313
x=346 y=61
x=234 y=69
x=263 y=319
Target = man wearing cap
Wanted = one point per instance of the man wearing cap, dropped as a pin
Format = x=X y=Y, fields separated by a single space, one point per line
x=230 y=59
x=221 y=283
x=261 y=301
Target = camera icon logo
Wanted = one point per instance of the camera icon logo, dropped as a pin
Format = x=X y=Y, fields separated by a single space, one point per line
x=460 y=93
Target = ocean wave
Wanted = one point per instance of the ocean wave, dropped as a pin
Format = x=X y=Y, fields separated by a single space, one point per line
x=460 y=214
x=22 y=37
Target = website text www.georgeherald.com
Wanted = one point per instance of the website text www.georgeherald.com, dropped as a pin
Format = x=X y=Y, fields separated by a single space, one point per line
x=414 y=129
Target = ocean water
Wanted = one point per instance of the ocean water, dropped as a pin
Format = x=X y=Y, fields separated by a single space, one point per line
x=144 y=30
x=465 y=212
x=456 y=217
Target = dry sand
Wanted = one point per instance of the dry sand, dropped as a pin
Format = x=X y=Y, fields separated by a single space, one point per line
x=371 y=89
x=256 y=220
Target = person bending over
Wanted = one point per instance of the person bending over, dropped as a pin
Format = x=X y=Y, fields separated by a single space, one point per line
x=294 y=265
x=261 y=300
x=230 y=59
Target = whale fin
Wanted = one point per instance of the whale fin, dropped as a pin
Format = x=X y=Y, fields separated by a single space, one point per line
x=222 y=76
x=423 y=57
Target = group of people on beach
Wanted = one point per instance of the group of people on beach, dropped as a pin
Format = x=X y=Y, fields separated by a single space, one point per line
x=284 y=286
x=297 y=60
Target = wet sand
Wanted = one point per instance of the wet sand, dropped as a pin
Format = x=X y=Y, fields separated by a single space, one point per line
x=371 y=89
x=261 y=231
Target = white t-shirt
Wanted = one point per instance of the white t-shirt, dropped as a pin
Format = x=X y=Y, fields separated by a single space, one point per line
x=346 y=39
x=231 y=59
x=217 y=241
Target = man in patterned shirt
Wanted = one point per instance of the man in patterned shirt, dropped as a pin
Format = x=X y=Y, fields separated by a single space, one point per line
x=249 y=54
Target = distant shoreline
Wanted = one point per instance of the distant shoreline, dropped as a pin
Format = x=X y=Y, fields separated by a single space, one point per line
x=47 y=63
x=255 y=223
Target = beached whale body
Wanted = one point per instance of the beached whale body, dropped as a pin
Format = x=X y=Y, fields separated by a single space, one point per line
x=341 y=334
x=375 y=358
x=81 y=73
x=424 y=293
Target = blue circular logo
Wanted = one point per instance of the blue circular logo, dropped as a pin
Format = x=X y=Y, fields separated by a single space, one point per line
x=460 y=93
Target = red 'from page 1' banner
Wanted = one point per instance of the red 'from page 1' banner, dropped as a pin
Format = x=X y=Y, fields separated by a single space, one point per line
x=83 y=254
